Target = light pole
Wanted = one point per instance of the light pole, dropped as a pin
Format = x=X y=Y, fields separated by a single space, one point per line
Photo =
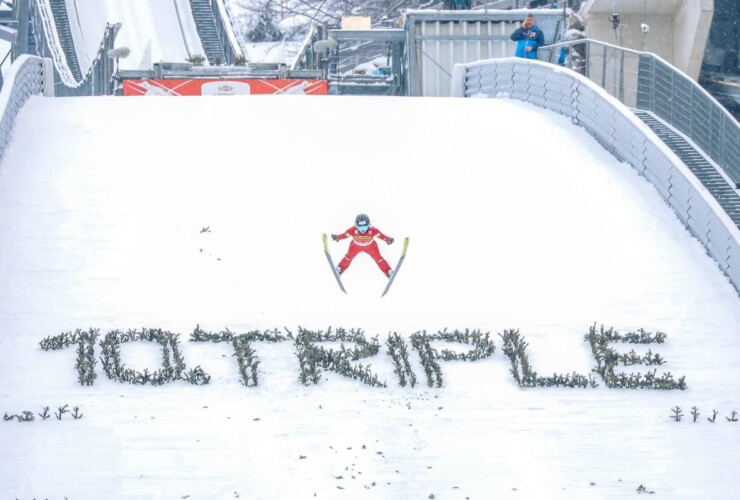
x=615 y=26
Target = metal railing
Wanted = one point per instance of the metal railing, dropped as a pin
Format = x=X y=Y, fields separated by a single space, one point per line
x=97 y=80
x=645 y=81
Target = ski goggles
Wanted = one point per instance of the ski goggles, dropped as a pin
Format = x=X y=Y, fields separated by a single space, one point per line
x=362 y=227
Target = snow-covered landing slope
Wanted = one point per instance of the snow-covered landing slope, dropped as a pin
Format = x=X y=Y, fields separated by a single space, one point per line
x=517 y=219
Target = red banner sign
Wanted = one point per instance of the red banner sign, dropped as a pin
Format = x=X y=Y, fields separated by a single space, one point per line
x=223 y=87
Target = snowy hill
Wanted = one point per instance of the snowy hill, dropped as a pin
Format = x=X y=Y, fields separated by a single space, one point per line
x=207 y=213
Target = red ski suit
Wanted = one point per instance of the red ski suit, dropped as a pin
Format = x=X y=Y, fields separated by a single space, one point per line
x=363 y=243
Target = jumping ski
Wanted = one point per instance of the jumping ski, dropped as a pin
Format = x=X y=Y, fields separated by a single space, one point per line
x=398 y=266
x=325 y=240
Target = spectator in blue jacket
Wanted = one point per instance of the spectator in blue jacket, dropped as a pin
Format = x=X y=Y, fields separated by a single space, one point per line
x=528 y=38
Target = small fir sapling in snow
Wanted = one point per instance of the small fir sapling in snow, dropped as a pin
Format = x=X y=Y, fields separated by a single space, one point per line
x=169 y=345
x=428 y=356
x=631 y=358
x=309 y=370
x=197 y=376
x=26 y=417
x=85 y=364
x=45 y=414
x=196 y=59
x=732 y=417
x=677 y=413
x=515 y=347
x=643 y=489
x=421 y=341
x=62 y=411
x=483 y=346
x=398 y=351
x=653 y=359
x=272 y=336
x=713 y=417
x=247 y=360
x=312 y=356
x=607 y=360
x=695 y=413
x=76 y=413
x=509 y=348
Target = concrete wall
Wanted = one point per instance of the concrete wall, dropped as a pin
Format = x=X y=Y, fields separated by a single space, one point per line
x=692 y=23
x=679 y=29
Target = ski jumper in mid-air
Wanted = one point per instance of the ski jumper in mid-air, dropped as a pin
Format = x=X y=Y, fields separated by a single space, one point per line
x=363 y=240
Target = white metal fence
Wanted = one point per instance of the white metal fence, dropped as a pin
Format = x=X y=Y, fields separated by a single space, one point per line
x=619 y=131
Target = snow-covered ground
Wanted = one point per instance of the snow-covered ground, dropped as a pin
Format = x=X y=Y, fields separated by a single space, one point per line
x=271 y=52
x=517 y=219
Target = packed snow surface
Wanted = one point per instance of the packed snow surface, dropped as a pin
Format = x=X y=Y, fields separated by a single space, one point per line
x=121 y=213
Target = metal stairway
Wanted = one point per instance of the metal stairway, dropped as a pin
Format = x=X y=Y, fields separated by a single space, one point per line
x=59 y=10
x=206 y=26
x=716 y=184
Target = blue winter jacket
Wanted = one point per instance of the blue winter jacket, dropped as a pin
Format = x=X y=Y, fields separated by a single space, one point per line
x=528 y=38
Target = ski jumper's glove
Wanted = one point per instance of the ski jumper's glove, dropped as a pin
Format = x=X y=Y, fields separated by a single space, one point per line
x=390 y=240
x=334 y=237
